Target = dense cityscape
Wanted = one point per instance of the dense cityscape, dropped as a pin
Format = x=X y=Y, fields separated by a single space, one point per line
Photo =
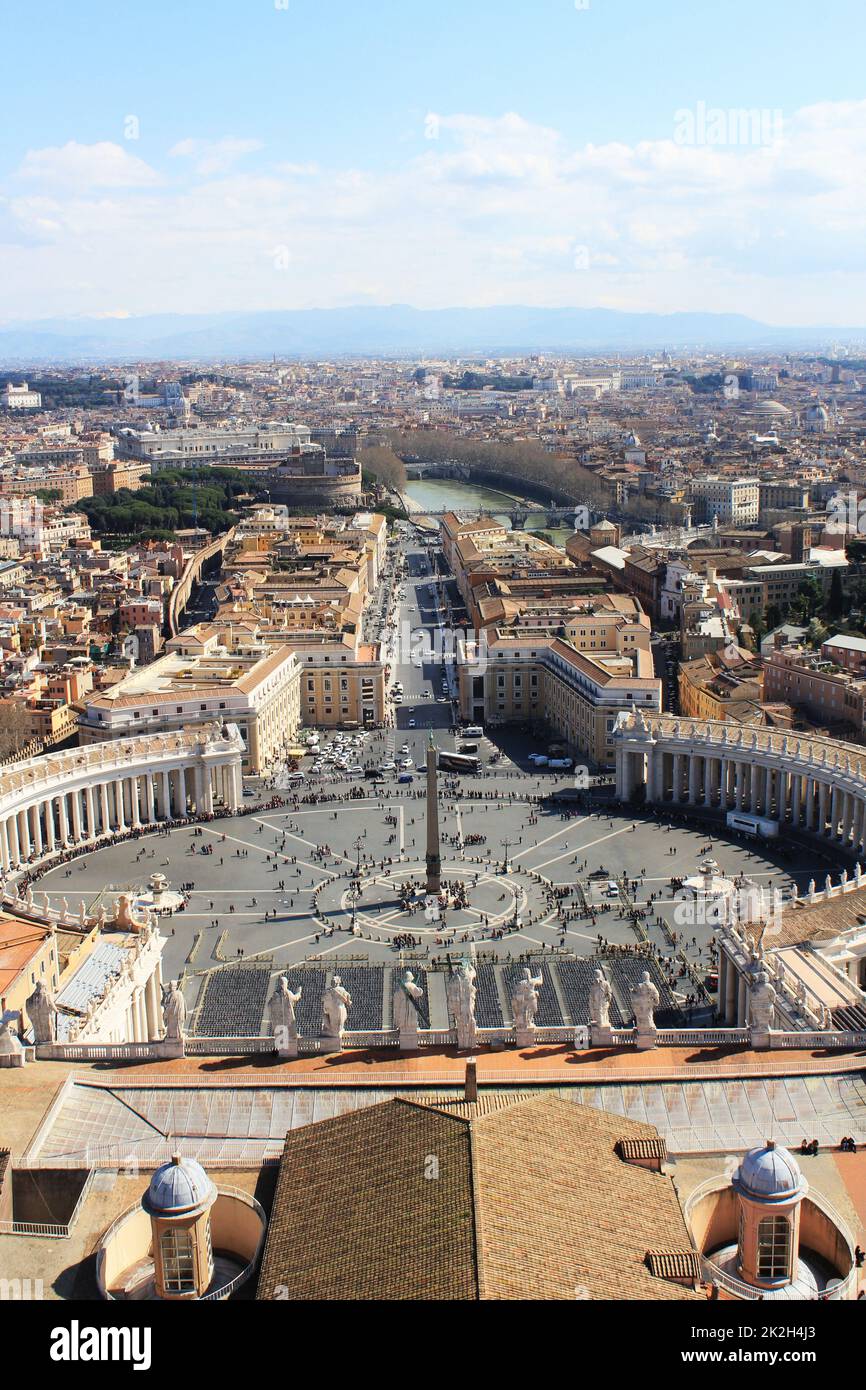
x=432 y=740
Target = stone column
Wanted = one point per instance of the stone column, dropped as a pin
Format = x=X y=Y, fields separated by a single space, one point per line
x=724 y=777
x=742 y=1001
x=753 y=778
x=731 y=994
x=133 y=798
x=835 y=811
x=166 y=796
x=142 y=1015
x=709 y=781
x=181 y=791
x=795 y=798
x=822 y=808
x=4 y=847
x=198 y=783
x=35 y=829
x=24 y=835
x=811 y=813
x=119 y=814
x=50 y=839
x=208 y=790
x=151 y=999
x=105 y=812
x=90 y=813
x=64 y=818
x=694 y=779
x=14 y=848
x=75 y=798
x=149 y=798
x=678 y=778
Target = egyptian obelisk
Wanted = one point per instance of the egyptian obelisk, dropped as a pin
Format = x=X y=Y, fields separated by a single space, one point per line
x=434 y=862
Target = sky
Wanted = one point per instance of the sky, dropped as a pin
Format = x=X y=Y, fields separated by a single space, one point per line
x=644 y=155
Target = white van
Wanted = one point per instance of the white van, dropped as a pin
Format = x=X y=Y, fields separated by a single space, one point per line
x=474 y=731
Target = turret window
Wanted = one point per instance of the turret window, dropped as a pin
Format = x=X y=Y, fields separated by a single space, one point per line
x=774 y=1248
x=178 y=1261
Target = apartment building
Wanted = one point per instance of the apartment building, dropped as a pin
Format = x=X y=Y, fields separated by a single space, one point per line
x=201 y=680
x=576 y=694
x=713 y=686
x=828 y=695
x=341 y=687
x=732 y=500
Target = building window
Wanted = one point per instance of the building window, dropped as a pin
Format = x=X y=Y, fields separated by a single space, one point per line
x=178 y=1262
x=774 y=1247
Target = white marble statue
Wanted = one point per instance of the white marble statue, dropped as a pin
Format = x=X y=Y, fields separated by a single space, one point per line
x=42 y=1012
x=762 y=1003
x=336 y=1003
x=645 y=999
x=281 y=1008
x=524 y=1001
x=407 y=1001
x=600 y=996
x=461 y=991
x=174 y=1012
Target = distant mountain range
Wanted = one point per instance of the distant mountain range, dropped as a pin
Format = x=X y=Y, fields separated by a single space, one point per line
x=394 y=330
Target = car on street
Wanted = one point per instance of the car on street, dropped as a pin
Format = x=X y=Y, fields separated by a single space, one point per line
x=411 y=723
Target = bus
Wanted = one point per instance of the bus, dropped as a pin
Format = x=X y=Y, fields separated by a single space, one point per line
x=760 y=827
x=458 y=762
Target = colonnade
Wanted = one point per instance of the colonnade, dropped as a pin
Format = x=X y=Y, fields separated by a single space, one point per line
x=815 y=785
x=87 y=794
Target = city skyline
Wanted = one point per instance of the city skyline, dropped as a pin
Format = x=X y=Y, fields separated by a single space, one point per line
x=568 y=155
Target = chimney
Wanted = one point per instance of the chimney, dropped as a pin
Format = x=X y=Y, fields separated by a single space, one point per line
x=471 y=1087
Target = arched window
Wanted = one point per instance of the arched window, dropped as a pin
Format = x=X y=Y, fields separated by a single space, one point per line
x=178 y=1260
x=774 y=1248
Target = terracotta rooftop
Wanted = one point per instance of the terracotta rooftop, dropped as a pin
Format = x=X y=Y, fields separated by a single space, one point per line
x=524 y=1200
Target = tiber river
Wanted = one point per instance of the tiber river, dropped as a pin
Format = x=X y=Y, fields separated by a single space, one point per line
x=446 y=494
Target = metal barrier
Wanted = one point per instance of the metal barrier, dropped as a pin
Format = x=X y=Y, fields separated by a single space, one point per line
x=50 y=1230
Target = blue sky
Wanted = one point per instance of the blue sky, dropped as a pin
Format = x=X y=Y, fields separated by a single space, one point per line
x=231 y=154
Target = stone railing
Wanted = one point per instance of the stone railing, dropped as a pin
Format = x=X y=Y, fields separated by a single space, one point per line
x=817 y=1039
x=706 y=1037
x=227 y=1046
x=104 y=1052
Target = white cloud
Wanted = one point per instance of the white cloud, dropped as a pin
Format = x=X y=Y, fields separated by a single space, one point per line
x=82 y=167
x=488 y=210
x=212 y=157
